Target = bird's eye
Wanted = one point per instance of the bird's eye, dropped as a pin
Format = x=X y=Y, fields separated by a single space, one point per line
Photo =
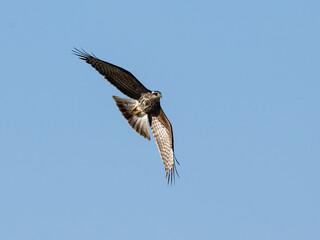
x=157 y=94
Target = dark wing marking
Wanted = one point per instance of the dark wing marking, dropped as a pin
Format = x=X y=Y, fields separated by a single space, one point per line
x=162 y=132
x=117 y=76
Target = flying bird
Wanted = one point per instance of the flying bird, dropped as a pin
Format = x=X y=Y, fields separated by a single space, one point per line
x=143 y=108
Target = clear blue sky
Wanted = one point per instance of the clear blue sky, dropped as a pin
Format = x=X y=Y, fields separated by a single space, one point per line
x=241 y=86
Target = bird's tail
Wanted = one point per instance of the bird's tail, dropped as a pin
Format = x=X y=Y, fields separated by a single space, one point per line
x=137 y=120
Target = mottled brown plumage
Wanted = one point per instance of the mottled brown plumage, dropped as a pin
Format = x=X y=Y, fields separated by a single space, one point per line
x=143 y=108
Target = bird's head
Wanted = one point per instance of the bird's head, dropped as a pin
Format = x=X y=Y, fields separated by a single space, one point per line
x=156 y=94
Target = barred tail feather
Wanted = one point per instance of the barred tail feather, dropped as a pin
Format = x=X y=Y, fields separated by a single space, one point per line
x=138 y=122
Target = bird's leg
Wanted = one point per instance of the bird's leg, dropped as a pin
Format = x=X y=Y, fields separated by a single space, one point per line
x=137 y=112
x=134 y=108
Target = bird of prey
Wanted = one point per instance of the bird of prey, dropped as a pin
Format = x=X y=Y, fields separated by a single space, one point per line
x=143 y=107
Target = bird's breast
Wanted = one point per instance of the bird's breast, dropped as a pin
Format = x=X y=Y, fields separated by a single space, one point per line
x=148 y=104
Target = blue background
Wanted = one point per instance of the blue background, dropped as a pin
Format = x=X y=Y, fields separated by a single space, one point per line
x=240 y=82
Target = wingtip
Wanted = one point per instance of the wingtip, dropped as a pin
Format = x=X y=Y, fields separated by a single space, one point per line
x=171 y=174
x=82 y=54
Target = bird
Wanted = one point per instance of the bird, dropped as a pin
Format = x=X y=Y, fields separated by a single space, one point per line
x=142 y=107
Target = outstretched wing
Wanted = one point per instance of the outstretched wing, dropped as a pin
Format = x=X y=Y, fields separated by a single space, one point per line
x=162 y=132
x=119 y=77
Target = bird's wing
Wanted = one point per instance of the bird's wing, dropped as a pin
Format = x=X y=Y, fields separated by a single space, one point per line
x=119 y=77
x=162 y=132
